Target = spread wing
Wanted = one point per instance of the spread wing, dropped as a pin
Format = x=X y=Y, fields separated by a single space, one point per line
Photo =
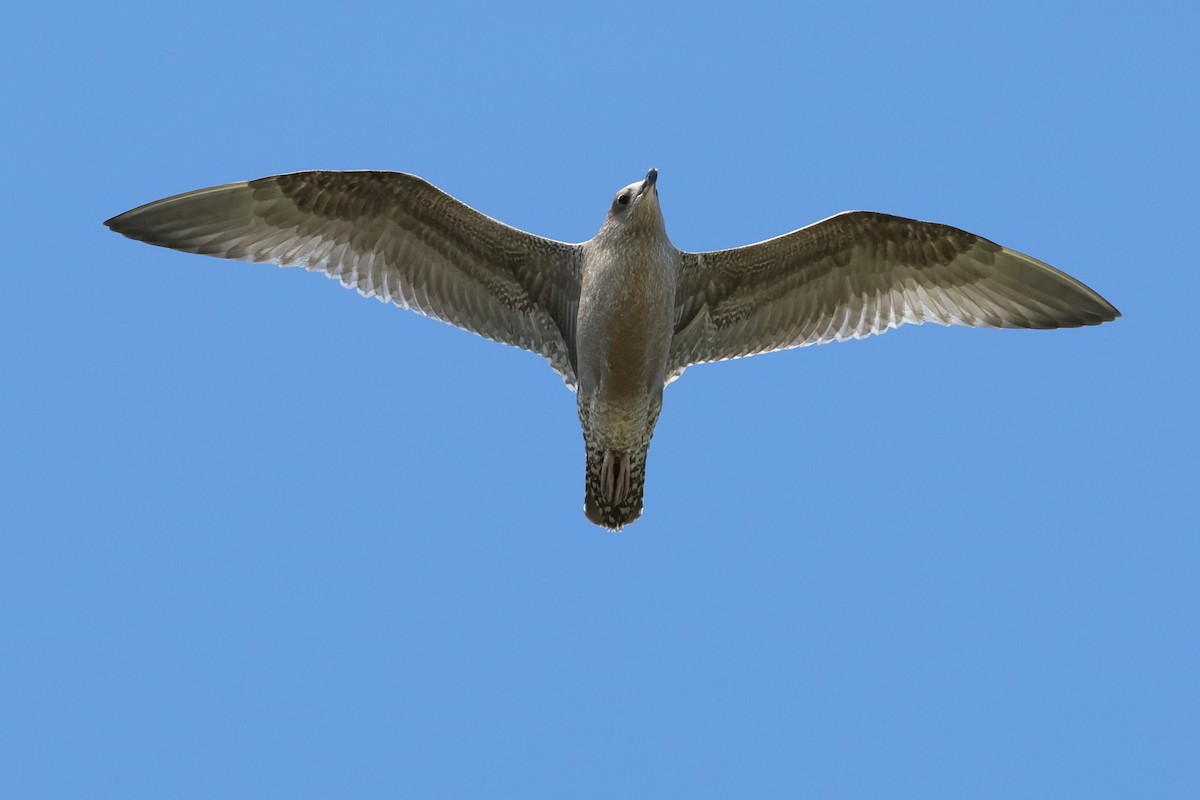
x=391 y=236
x=860 y=273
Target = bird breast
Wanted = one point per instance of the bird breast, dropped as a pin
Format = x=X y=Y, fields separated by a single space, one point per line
x=626 y=310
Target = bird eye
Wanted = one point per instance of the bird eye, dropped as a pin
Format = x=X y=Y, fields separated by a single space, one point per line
x=623 y=198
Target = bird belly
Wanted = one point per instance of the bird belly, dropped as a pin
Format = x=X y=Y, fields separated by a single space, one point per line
x=622 y=364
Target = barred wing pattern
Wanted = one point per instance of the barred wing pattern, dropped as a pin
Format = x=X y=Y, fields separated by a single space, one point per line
x=391 y=236
x=861 y=273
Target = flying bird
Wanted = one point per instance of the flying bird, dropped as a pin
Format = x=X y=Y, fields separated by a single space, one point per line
x=625 y=313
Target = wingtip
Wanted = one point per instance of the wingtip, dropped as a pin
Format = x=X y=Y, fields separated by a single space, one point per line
x=118 y=223
x=1095 y=309
x=1108 y=312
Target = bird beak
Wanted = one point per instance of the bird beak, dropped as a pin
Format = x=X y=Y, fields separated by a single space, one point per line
x=648 y=184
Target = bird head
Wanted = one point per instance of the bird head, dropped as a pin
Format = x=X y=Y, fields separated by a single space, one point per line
x=636 y=206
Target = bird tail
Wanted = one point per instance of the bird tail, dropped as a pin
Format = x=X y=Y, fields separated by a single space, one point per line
x=613 y=486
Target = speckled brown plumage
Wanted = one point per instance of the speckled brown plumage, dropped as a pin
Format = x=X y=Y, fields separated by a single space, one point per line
x=862 y=273
x=391 y=236
x=621 y=315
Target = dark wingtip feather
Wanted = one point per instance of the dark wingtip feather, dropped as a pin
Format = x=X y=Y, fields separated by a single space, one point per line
x=1099 y=310
x=118 y=224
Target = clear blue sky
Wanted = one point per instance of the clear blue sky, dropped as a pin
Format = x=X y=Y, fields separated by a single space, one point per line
x=264 y=538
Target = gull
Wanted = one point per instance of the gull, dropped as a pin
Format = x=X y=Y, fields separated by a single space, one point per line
x=625 y=313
